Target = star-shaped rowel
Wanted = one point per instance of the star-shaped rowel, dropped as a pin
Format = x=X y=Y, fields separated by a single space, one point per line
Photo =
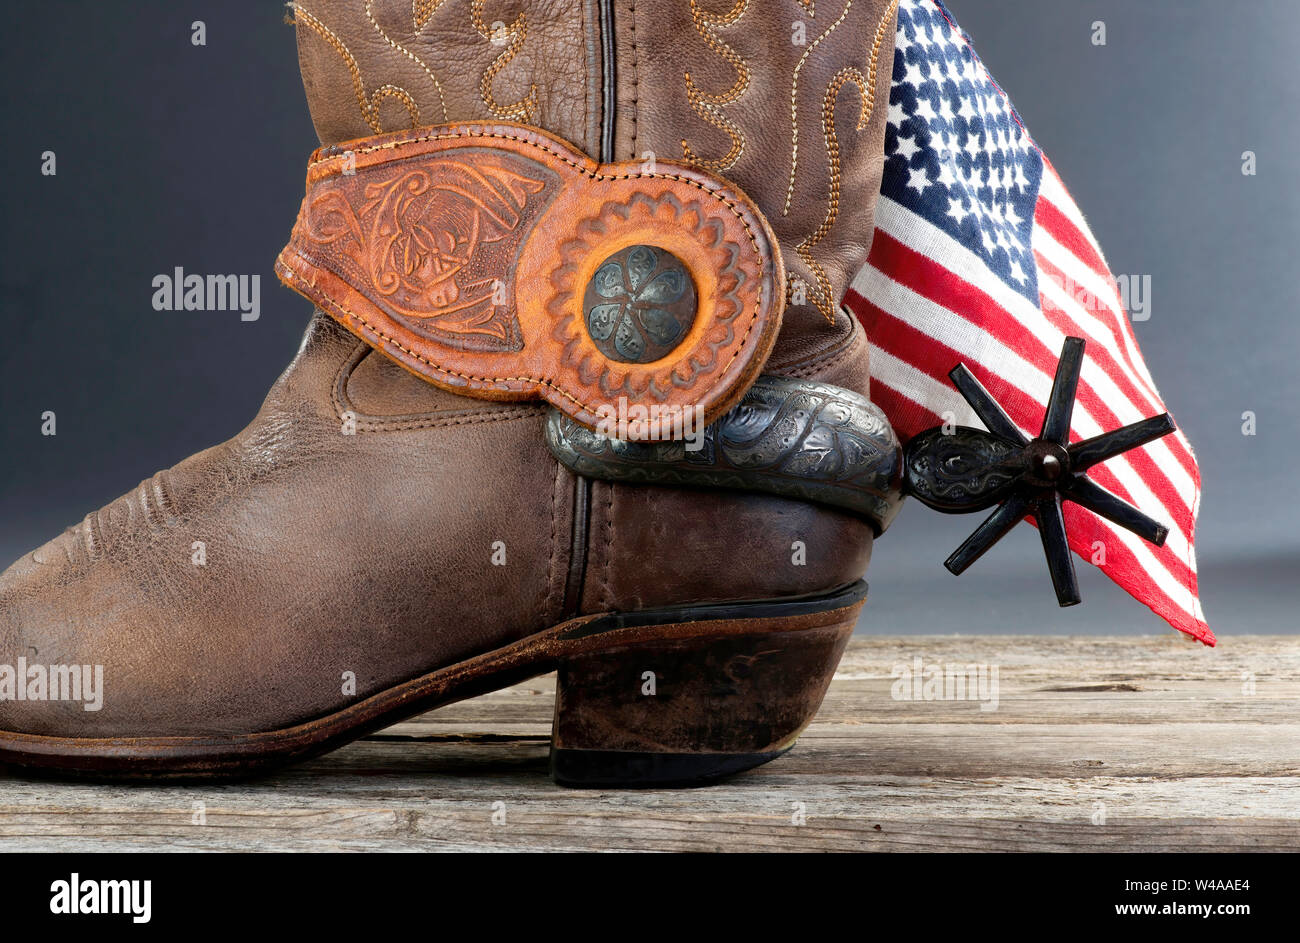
x=963 y=470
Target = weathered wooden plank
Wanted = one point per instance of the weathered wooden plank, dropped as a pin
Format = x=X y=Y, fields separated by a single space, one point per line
x=912 y=814
x=1042 y=680
x=1096 y=744
x=1097 y=658
x=1135 y=701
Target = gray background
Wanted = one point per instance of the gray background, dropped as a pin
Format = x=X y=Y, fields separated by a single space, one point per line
x=172 y=155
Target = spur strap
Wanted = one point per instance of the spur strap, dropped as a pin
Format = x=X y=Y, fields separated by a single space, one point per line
x=499 y=262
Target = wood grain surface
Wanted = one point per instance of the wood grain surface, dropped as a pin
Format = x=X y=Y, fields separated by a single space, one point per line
x=1098 y=743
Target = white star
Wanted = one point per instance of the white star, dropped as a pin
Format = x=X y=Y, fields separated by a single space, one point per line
x=912 y=75
x=967 y=110
x=925 y=111
x=918 y=179
x=1012 y=217
x=945 y=109
x=956 y=210
x=1017 y=272
x=907 y=146
x=989 y=244
x=972 y=145
x=897 y=114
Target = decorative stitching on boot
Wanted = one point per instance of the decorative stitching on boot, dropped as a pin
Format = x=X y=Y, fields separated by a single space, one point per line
x=406 y=52
x=794 y=105
x=709 y=107
x=369 y=106
x=822 y=297
x=422 y=10
x=524 y=110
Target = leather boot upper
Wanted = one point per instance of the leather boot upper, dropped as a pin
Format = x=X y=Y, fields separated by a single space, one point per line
x=438 y=527
x=369 y=525
x=785 y=98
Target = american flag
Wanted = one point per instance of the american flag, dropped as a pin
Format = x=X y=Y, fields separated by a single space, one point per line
x=981 y=257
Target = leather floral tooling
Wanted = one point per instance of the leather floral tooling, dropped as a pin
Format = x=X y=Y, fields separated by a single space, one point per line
x=499 y=262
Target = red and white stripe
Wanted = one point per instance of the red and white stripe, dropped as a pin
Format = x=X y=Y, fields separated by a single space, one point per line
x=929 y=303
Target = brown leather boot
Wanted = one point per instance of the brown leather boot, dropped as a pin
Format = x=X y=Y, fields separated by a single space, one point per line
x=545 y=217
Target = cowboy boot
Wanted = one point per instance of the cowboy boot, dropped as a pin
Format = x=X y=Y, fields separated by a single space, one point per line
x=543 y=240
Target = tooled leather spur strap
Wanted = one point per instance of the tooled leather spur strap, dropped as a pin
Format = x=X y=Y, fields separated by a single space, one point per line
x=499 y=262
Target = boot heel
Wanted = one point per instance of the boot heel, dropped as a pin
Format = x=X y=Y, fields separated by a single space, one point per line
x=720 y=690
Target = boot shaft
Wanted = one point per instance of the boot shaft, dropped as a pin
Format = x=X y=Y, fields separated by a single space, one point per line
x=786 y=98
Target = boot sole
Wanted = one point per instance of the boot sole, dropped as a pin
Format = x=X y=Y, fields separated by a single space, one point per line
x=663 y=697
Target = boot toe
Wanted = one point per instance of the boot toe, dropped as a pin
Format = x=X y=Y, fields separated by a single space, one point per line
x=80 y=634
x=37 y=633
